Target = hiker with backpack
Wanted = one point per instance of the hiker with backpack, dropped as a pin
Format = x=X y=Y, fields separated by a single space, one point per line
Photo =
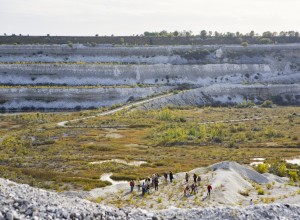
x=166 y=177
x=171 y=176
x=143 y=189
x=138 y=183
x=187 y=177
x=195 y=178
x=209 y=188
x=198 y=180
x=156 y=182
x=194 y=189
x=131 y=185
x=186 y=190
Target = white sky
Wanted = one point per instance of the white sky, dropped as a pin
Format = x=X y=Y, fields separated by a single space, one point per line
x=127 y=17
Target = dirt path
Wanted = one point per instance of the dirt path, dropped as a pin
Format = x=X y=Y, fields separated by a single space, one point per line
x=110 y=112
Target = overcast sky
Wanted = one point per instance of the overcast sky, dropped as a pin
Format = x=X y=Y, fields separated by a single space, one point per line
x=127 y=17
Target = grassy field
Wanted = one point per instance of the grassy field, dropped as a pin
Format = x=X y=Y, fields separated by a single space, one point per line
x=34 y=150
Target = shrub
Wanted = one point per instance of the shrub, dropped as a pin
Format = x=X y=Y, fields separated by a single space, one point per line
x=245 y=44
x=269 y=186
x=159 y=200
x=122 y=40
x=245 y=104
x=193 y=54
x=165 y=115
x=293 y=175
x=279 y=169
x=260 y=192
x=262 y=168
x=265 y=41
x=267 y=104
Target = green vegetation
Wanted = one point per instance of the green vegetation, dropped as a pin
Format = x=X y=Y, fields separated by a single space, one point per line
x=34 y=150
x=161 y=38
x=262 y=168
x=260 y=192
x=265 y=41
x=245 y=44
x=193 y=54
x=267 y=104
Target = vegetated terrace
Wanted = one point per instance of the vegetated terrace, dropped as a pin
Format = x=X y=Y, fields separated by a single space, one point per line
x=35 y=150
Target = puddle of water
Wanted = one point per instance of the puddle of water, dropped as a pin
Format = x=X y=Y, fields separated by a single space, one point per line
x=131 y=163
x=106 y=177
x=255 y=163
x=259 y=159
x=294 y=161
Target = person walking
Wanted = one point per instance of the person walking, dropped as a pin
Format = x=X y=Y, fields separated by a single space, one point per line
x=171 y=176
x=195 y=178
x=156 y=182
x=187 y=177
x=138 y=183
x=148 y=184
x=166 y=177
x=194 y=188
x=131 y=185
x=143 y=189
x=186 y=190
x=199 y=180
x=209 y=188
x=153 y=179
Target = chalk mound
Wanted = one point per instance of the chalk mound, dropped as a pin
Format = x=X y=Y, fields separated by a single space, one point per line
x=241 y=170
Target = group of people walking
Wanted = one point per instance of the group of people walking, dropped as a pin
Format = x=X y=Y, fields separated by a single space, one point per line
x=149 y=182
x=193 y=188
x=154 y=180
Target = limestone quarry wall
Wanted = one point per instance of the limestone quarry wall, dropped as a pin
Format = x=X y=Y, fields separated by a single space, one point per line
x=14 y=74
x=13 y=99
x=183 y=66
x=218 y=95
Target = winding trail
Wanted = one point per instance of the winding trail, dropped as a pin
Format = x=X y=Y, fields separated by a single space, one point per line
x=138 y=103
x=110 y=112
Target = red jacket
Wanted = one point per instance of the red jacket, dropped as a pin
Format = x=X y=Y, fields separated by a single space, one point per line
x=209 y=187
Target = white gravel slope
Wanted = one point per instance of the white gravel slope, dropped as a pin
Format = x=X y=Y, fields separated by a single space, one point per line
x=19 y=201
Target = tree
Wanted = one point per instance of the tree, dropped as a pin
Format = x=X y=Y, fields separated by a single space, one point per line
x=217 y=34
x=282 y=34
x=176 y=33
x=267 y=34
x=252 y=34
x=203 y=33
x=189 y=33
x=265 y=41
x=163 y=33
x=122 y=40
x=245 y=44
x=291 y=33
x=297 y=34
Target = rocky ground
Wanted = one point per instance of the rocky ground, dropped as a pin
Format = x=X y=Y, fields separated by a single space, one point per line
x=24 y=202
